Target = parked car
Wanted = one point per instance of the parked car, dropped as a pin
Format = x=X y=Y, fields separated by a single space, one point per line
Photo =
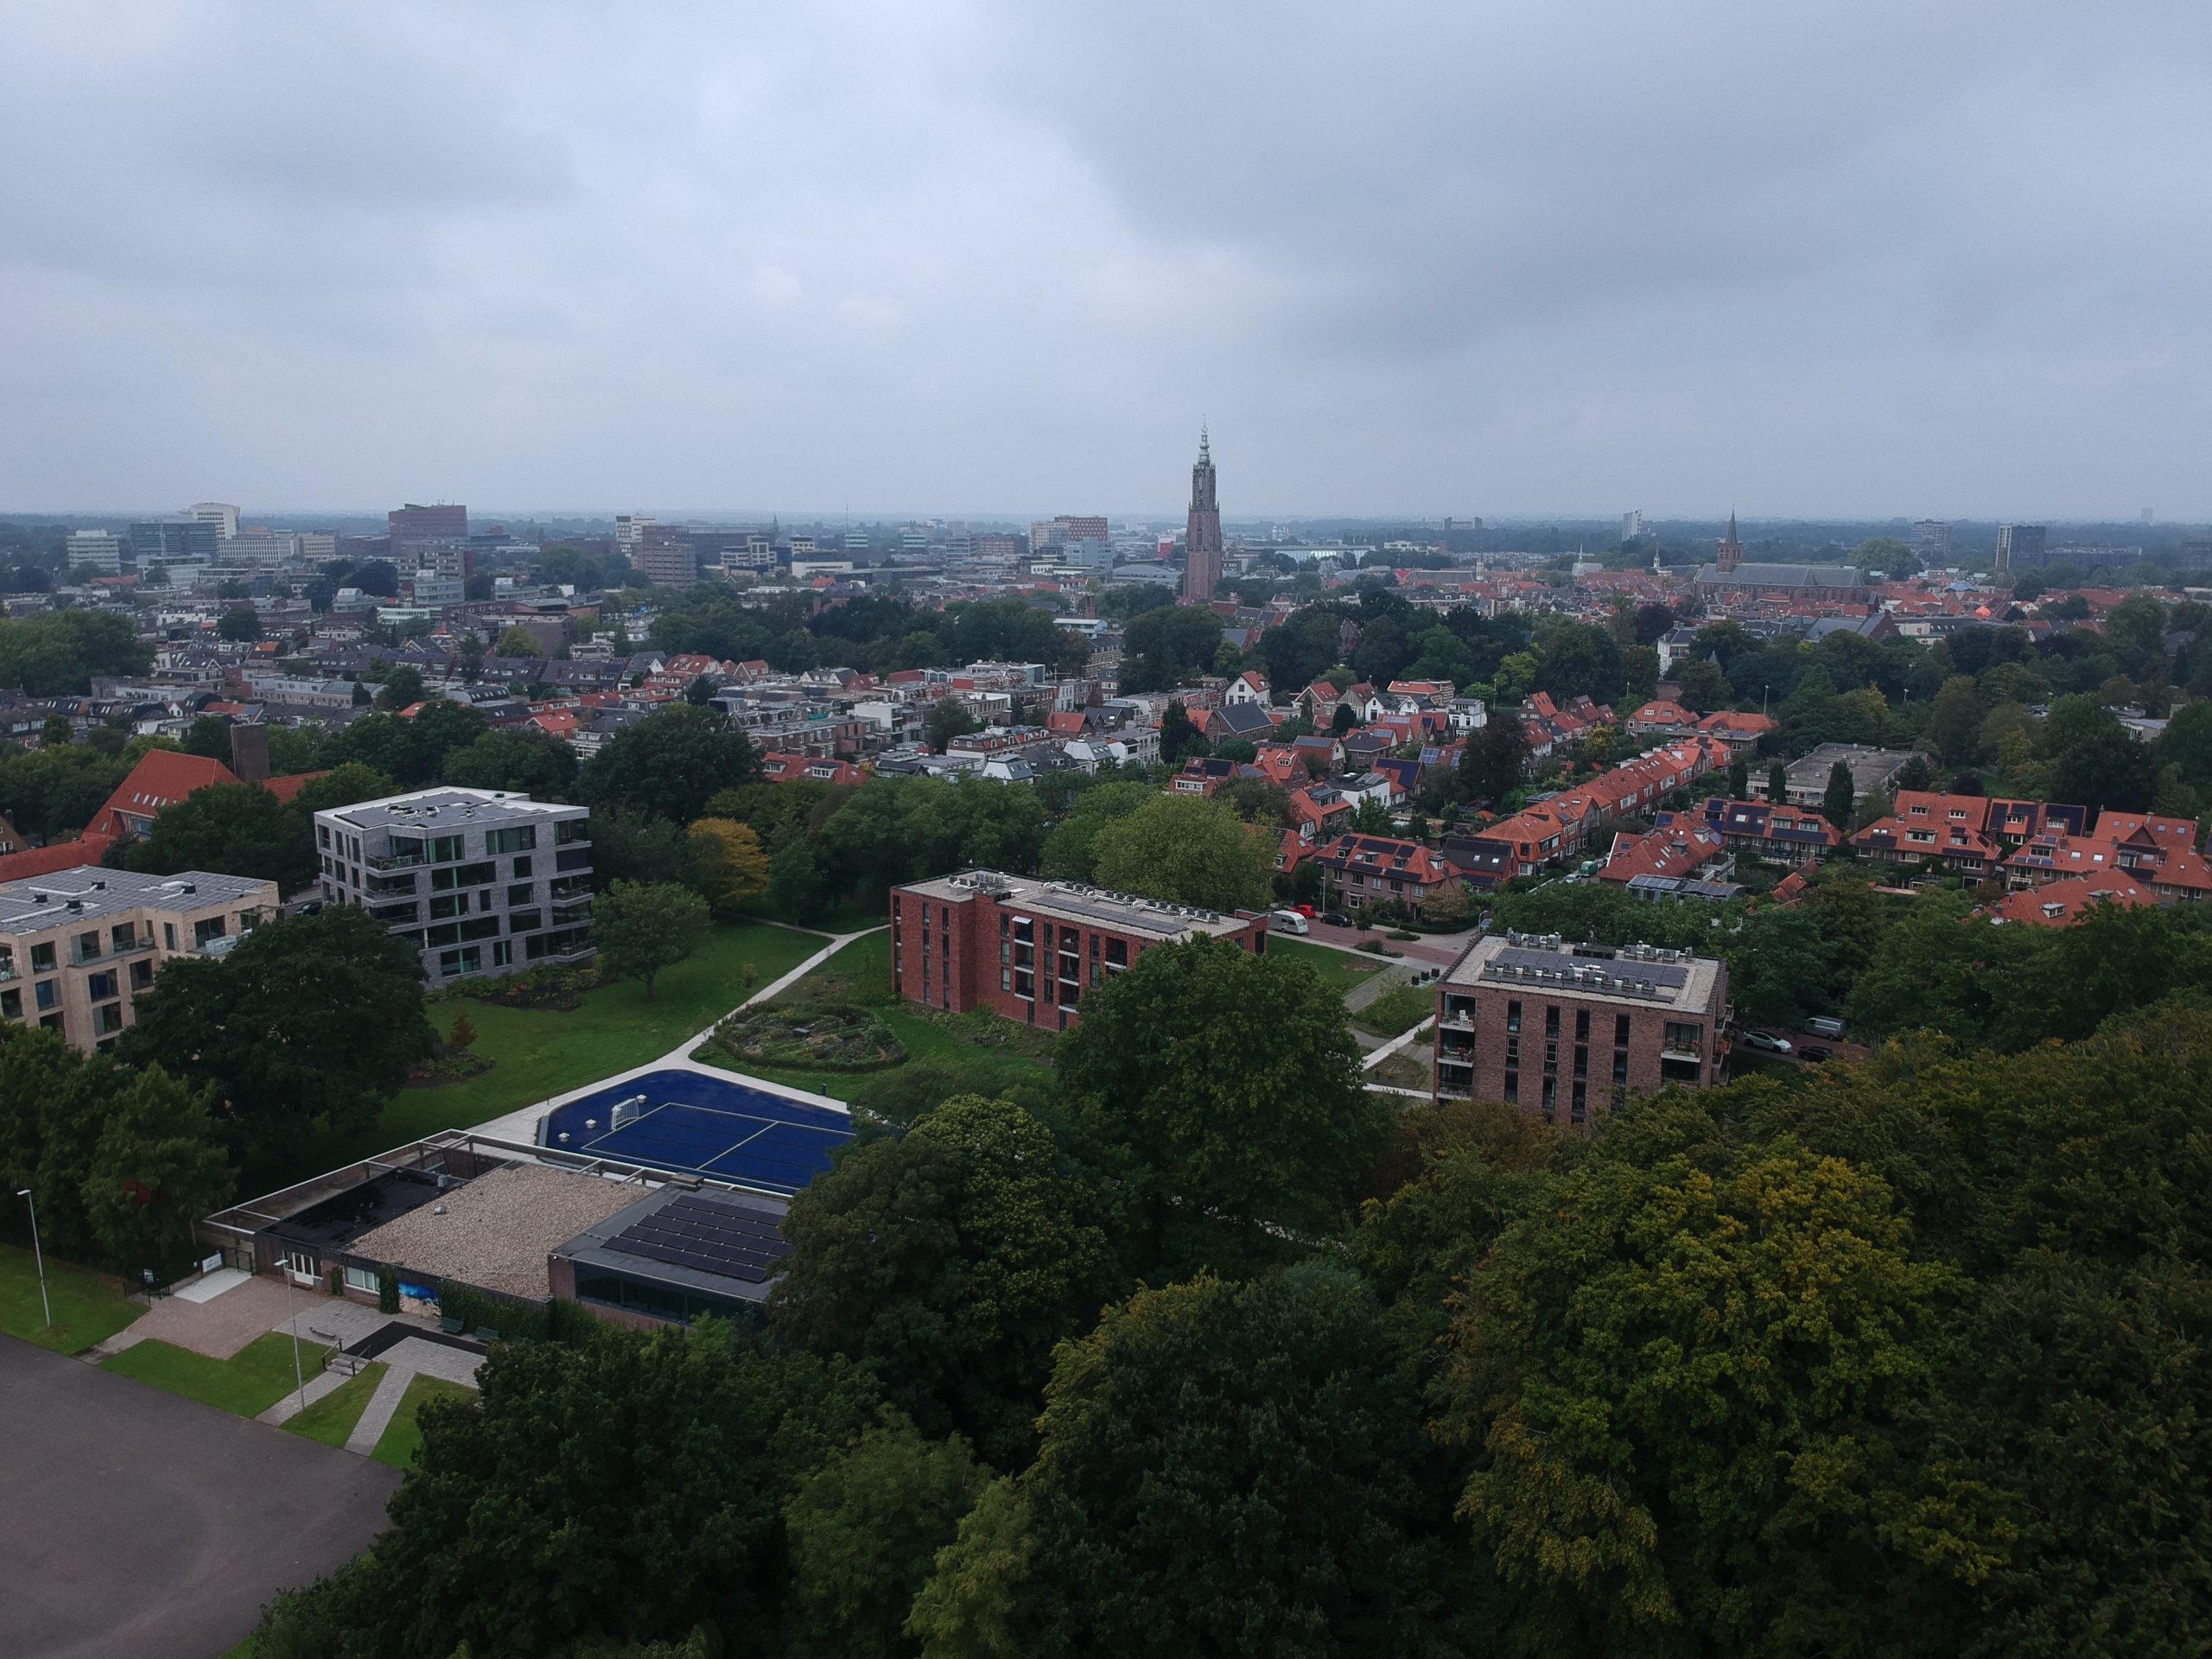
x=1307 y=911
x=1336 y=918
x=1287 y=921
x=1766 y=1042
x=1813 y=1054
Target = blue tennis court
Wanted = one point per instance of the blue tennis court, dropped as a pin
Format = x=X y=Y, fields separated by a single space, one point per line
x=690 y=1123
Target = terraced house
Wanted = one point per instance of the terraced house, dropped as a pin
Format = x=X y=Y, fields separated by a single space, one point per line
x=480 y=881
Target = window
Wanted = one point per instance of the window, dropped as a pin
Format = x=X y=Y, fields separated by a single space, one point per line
x=520 y=838
x=122 y=937
x=50 y=1022
x=465 y=875
x=522 y=869
x=446 y=904
x=49 y=993
x=446 y=849
x=364 y=1278
x=1582 y=1025
x=1620 y=1068
x=1551 y=1022
x=301 y=1264
x=11 y=1004
x=503 y=954
x=102 y=988
x=1551 y=1096
x=322 y=839
x=108 y=1019
x=1581 y=1107
x=1513 y=1016
x=1513 y=1088
x=168 y=936
x=88 y=946
x=42 y=958
x=1620 y=1030
x=1685 y=1038
x=211 y=927
x=525 y=921
x=479 y=927
x=448 y=934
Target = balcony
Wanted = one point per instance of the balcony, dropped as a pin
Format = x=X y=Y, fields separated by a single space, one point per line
x=568 y=915
x=408 y=911
x=570 y=891
x=388 y=886
x=397 y=861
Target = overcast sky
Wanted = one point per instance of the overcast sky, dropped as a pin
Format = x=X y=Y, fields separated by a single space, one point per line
x=1460 y=257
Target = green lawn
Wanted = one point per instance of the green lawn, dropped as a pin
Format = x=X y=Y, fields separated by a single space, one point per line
x=246 y=1384
x=331 y=1418
x=1398 y=1009
x=1341 y=969
x=848 y=918
x=860 y=974
x=405 y=1436
x=88 y=1306
x=540 y=1052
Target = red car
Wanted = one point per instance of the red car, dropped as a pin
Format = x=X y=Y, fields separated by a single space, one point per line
x=1307 y=911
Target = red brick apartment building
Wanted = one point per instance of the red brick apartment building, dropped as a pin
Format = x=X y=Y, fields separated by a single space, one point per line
x=1561 y=1029
x=1028 y=948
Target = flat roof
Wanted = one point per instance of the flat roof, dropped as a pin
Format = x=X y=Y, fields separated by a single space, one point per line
x=496 y=1231
x=711 y=1240
x=91 y=893
x=1076 y=901
x=442 y=809
x=1636 y=975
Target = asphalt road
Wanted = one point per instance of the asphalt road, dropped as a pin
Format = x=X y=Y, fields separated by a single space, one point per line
x=136 y=1523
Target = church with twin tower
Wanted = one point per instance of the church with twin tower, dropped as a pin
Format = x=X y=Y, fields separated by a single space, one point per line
x=1202 y=532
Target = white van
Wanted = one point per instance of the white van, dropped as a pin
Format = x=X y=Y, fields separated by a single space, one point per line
x=1287 y=921
x=1825 y=1026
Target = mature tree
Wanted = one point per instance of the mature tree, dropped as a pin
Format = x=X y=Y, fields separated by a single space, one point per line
x=1225 y=1469
x=799 y=887
x=1704 y=687
x=2100 y=762
x=1934 y=972
x=1222 y=1088
x=1686 y=1385
x=1495 y=759
x=157 y=1168
x=515 y=641
x=1188 y=850
x=1739 y=779
x=538 y=764
x=948 y=718
x=729 y=864
x=676 y=1454
x=1177 y=734
x=53 y=1106
x=403 y=688
x=1071 y=851
x=229 y=829
x=1777 y=783
x=1885 y=556
x=208 y=736
x=341 y=785
x=1917 y=774
x=311 y=1018
x=670 y=762
x=1837 y=800
x=240 y=622
x=1778 y=963
x=630 y=845
x=641 y=928
x=56 y=653
x=948 y=1262
x=1371 y=818
x=1169 y=646
x=865 y=1530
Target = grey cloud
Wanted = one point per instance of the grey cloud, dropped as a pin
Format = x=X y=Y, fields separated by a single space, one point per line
x=977 y=256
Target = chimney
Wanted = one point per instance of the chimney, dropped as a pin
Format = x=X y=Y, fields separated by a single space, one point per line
x=249 y=753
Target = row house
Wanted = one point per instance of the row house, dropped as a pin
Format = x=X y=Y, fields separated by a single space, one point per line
x=2062 y=903
x=2160 y=854
x=1785 y=835
x=1568 y=822
x=1680 y=846
x=1370 y=869
x=1969 y=833
x=797 y=768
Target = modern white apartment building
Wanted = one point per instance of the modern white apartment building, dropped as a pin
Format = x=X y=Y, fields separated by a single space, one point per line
x=76 y=947
x=480 y=881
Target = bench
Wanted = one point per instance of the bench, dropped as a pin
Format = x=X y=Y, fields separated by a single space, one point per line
x=451 y=1326
x=485 y=1333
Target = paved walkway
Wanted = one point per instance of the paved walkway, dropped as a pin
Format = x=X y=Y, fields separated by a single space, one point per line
x=403 y=1361
x=521 y=1125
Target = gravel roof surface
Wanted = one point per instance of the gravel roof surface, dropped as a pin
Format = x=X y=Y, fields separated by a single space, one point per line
x=498 y=1228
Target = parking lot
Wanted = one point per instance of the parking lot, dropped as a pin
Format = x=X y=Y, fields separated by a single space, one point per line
x=135 y=1523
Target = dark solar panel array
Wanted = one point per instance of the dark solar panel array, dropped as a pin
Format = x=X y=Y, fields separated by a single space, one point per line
x=707 y=1238
x=1672 y=975
x=1113 y=915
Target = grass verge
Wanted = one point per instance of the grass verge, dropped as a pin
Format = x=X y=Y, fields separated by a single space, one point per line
x=1399 y=1009
x=540 y=1052
x=1340 y=970
x=331 y=1418
x=246 y=1384
x=403 y=1438
x=88 y=1307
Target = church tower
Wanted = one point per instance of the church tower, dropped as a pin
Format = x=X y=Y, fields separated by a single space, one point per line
x=1729 y=553
x=1202 y=532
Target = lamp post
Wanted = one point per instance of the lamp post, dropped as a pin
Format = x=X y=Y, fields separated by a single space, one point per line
x=38 y=1256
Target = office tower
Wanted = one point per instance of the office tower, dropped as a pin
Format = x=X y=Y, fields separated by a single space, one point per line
x=2020 y=547
x=221 y=514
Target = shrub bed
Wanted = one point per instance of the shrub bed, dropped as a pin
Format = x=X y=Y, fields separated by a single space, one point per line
x=815 y=1037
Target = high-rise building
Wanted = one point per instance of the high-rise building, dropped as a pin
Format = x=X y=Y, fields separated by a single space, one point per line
x=221 y=514
x=2020 y=547
x=1631 y=524
x=102 y=550
x=666 y=555
x=1931 y=540
x=1202 y=532
x=630 y=529
x=446 y=522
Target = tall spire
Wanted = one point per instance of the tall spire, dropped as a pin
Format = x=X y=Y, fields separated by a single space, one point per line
x=1731 y=523
x=1203 y=453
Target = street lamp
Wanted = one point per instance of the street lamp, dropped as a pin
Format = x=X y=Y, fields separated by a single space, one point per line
x=38 y=1256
